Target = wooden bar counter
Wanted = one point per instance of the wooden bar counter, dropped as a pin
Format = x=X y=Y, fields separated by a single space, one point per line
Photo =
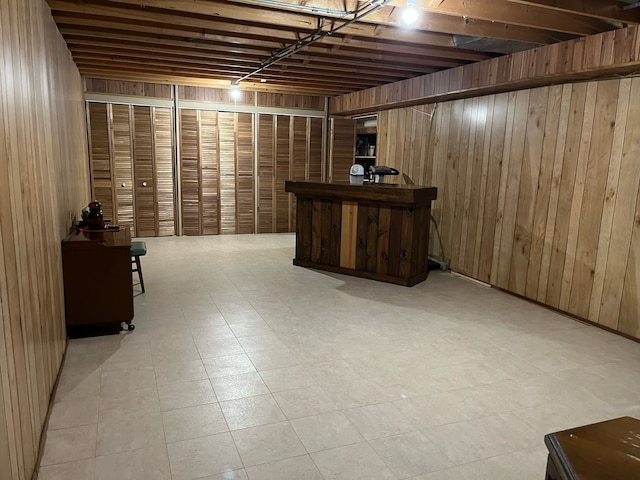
x=376 y=231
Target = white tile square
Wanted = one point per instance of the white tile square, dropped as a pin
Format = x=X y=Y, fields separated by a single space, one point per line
x=288 y=378
x=295 y=468
x=78 y=470
x=74 y=413
x=272 y=359
x=251 y=411
x=186 y=394
x=230 y=365
x=410 y=454
x=380 y=420
x=192 y=422
x=303 y=402
x=326 y=431
x=69 y=444
x=203 y=456
x=267 y=443
x=352 y=462
x=239 y=386
x=130 y=433
x=150 y=463
x=180 y=372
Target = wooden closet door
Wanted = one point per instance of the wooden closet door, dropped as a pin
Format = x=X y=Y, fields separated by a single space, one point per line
x=145 y=184
x=245 y=198
x=266 y=173
x=227 y=135
x=101 y=157
x=190 y=172
x=288 y=148
x=123 y=213
x=153 y=171
x=209 y=198
x=164 y=171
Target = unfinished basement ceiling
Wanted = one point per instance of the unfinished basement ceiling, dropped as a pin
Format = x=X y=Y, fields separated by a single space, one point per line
x=217 y=42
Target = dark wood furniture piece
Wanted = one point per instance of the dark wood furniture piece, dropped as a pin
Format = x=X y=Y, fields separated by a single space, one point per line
x=376 y=231
x=602 y=451
x=98 y=289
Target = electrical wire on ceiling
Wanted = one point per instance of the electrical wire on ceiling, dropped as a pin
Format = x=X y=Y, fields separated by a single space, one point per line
x=318 y=34
x=308 y=8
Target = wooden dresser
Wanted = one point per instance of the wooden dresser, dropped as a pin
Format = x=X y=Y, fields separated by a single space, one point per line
x=98 y=286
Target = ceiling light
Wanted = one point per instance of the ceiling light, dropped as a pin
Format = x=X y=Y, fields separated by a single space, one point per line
x=410 y=14
x=235 y=91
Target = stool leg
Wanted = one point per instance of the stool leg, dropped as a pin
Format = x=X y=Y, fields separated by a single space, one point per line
x=139 y=270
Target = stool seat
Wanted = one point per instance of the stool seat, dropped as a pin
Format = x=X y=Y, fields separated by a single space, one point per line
x=138 y=249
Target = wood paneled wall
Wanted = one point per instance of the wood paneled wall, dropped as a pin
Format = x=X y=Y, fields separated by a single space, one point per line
x=132 y=174
x=289 y=148
x=616 y=52
x=341 y=148
x=136 y=89
x=43 y=186
x=538 y=191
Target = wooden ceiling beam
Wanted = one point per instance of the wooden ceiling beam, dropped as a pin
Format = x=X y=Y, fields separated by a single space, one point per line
x=98 y=68
x=379 y=54
x=129 y=48
x=291 y=76
x=181 y=60
x=257 y=34
x=76 y=36
x=608 y=10
x=435 y=23
x=531 y=16
x=200 y=81
x=282 y=18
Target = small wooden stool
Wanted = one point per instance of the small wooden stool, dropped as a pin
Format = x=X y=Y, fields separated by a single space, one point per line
x=138 y=249
x=602 y=451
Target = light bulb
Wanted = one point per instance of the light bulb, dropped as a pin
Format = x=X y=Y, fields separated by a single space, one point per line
x=410 y=14
x=235 y=91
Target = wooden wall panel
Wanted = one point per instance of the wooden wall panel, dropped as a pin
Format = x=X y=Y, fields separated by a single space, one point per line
x=284 y=100
x=266 y=173
x=118 y=87
x=537 y=191
x=341 y=148
x=102 y=168
x=573 y=60
x=282 y=172
x=43 y=186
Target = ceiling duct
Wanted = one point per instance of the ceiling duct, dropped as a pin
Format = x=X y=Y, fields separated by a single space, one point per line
x=492 y=45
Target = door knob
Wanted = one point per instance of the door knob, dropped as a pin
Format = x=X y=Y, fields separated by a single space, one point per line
x=144 y=184
x=123 y=184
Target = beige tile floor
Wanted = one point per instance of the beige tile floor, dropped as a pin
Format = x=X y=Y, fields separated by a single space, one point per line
x=243 y=366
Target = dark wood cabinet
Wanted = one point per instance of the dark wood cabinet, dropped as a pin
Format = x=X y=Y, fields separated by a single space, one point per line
x=98 y=286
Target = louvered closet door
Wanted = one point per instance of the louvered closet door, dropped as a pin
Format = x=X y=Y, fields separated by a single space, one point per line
x=288 y=148
x=266 y=173
x=164 y=171
x=190 y=172
x=199 y=172
x=244 y=173
x=100 y=157
x=210 y=209
x=145 y=184
x=122 y=166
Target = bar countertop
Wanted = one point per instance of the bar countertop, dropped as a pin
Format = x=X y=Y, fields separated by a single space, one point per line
x=379 y=192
